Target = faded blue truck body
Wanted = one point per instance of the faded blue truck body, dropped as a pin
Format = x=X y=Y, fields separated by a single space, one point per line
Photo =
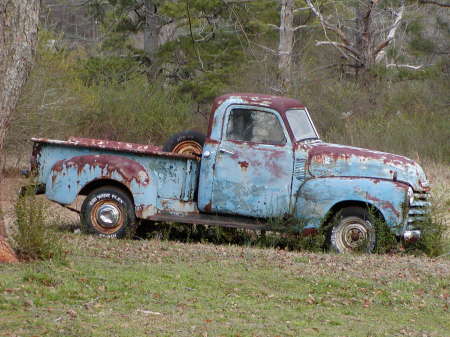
x=239 y=181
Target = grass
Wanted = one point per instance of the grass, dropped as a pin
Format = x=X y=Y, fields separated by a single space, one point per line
x=163 y=288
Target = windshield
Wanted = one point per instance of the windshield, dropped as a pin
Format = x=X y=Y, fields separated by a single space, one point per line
x=301 y=125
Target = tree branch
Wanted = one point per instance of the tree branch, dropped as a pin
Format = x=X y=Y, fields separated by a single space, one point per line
x=301 y=9
x=430 y=2
x=273 y=26
x=340 y=45
x=392 y=31
x=327 y=25
x=300 y=27
x=192 y=36
x=270 y=50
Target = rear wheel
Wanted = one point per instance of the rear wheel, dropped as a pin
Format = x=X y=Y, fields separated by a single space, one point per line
x=353 y=231
x=108 y=212
x=185 y=142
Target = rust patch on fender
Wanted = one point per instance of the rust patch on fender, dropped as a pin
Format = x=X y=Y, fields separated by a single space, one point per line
x=383 y=203
x=128 y=169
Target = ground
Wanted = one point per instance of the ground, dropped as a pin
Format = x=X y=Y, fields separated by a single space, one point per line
x=169 y=288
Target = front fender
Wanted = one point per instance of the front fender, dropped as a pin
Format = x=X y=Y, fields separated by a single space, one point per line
x=317 y=197
x=68 y=177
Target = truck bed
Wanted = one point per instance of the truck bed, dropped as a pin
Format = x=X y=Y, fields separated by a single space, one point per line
x=160 y=182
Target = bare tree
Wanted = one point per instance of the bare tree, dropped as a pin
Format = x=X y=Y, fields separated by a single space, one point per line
x=362 y=39
x=18 y=35
x=286 y=43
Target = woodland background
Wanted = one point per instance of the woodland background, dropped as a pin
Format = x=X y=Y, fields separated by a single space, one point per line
x=372 y=73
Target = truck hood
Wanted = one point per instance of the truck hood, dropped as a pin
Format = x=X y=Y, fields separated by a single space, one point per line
x=339 y=160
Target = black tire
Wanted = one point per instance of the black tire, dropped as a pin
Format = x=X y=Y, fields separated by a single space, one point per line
x=108 y=211
x=353 y=231
x=185 y=142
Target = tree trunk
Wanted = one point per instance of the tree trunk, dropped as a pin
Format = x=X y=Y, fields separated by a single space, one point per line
x=18 y=36
x=286 y=44
x=364 y=37
x=151 y=30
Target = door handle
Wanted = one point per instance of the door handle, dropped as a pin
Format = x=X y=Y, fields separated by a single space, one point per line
x=226 y=151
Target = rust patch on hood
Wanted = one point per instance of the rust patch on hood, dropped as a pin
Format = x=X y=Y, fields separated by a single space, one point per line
x=321 y=151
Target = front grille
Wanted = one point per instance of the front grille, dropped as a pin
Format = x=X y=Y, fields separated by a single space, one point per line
x=419 y=209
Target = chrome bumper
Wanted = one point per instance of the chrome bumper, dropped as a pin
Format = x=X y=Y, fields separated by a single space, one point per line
x=412 y=235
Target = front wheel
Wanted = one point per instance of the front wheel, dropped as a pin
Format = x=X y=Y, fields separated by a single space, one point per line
x=108 y=212
x=353 y=231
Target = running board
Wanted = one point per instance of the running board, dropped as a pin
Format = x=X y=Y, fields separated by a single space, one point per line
x=213 y=220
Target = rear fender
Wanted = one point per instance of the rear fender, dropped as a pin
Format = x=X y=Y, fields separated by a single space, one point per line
x=68 y=177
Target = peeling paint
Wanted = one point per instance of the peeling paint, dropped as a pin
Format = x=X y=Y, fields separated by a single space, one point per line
x=129 y=170
x=243 y=164
x=239 y=183
x=111 y=146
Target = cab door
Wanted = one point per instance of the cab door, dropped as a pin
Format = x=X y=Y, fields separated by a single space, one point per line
x=253 y=165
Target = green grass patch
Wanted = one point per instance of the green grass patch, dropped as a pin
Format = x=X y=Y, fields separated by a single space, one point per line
x=161 y=288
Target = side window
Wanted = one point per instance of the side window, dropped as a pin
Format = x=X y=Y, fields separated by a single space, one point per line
x=255 y=126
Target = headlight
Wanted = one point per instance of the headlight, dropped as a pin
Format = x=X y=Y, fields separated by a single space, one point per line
x=410 y=195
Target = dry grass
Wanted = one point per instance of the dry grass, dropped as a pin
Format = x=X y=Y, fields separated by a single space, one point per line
x=439 y=176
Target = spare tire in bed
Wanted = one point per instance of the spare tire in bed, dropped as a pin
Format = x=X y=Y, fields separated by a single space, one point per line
x=185 y=142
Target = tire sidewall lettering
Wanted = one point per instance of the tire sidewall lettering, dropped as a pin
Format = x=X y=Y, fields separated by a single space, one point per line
x=106 y=196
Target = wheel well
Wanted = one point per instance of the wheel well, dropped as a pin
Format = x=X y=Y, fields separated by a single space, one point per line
x=352 y=203
x=105 y=182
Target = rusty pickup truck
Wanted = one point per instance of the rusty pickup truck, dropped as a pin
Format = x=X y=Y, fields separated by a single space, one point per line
x=262 y=159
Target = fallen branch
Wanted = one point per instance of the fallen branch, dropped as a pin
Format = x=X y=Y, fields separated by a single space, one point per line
x=409 y=66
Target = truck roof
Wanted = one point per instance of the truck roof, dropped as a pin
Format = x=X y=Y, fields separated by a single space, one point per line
x=279 y=103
